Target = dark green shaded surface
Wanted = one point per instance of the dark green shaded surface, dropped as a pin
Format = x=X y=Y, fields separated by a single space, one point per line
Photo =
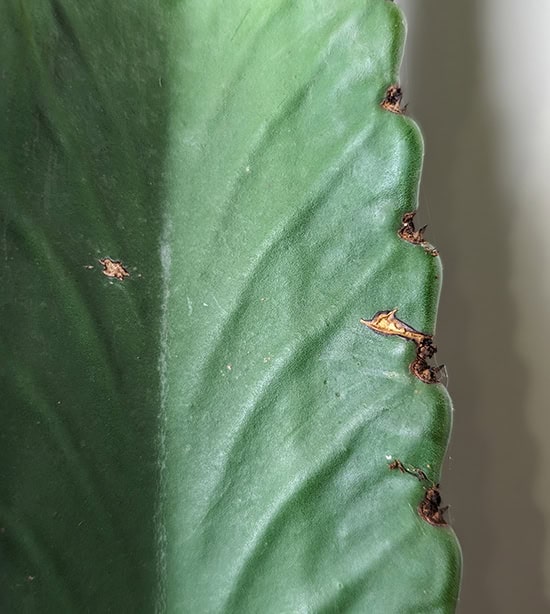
x=83 y=127
x=213 y=433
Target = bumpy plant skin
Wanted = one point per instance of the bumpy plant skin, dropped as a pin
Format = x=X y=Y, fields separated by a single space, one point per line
x=200 y=202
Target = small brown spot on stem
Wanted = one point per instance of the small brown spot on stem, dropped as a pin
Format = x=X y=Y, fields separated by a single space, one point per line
x=392 y=100
x=409 y=233
x=430 y=507
x=114 y=268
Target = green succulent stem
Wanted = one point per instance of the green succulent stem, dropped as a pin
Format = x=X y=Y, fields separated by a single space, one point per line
x=200 y=202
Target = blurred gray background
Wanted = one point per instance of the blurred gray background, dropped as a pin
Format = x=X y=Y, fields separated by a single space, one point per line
x=475 y=75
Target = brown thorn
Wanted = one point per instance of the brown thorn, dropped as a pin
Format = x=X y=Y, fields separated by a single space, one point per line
x=408 y=230
x=409 y=233
x=424 y=372
x=430 y=507
x=392 y=100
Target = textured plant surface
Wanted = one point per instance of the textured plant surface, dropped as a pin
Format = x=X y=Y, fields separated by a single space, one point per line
x=207 y=427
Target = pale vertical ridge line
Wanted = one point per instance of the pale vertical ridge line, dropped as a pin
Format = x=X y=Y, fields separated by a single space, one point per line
x=165 y=265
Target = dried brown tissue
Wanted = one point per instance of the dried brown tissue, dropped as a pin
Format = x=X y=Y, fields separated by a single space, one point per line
x=386 y=323
x=114 y=268
x=392 y=100
x=409 y=233
x=429 y=508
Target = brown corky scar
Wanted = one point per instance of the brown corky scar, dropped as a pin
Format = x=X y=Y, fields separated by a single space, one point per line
x=386 y=323
x=409 y=233
x=114 y=268
x=429 y=509
x=392 y=100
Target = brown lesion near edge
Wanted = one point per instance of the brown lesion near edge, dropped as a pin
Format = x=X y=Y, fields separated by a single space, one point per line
x=425 y=372
x=114 y=268
x=409 y=233
x=387 y=323
x=418 y=473
x=429 y=509
x=392 y=100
